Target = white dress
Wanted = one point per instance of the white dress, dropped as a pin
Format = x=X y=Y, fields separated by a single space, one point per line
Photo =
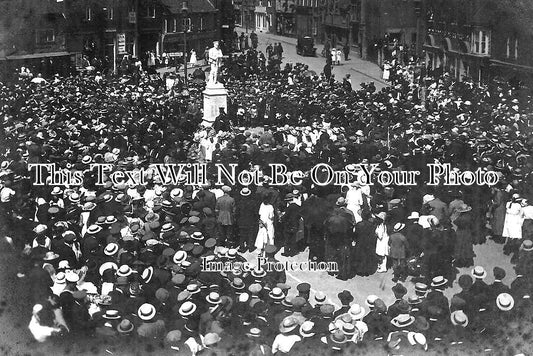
x=193 y=59
x=386 y=72
x=265 y=235
x=514 y=218
x=382 y=243
x=354 y=201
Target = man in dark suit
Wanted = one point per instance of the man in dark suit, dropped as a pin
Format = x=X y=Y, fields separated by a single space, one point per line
x=247 y=217
x=399 y=292
x=439 y=208
x=225 y=210
x=290 y=224
x=496 y=288
x=436 y=297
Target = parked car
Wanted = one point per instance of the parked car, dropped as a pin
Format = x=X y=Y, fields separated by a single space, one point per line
x=306 y=46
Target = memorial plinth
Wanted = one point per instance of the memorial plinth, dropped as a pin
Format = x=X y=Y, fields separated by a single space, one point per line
x=215 y=97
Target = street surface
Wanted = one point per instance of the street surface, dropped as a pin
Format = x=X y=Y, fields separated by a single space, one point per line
x=361 y=71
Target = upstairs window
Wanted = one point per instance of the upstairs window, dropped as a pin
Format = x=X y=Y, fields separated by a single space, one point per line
x=480 y=42
x=150 y=11
x=88 y=14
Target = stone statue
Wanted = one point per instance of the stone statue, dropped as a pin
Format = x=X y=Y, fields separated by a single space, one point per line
x=215 y=57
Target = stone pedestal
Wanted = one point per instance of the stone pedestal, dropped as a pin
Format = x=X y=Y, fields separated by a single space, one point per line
x=215 y=97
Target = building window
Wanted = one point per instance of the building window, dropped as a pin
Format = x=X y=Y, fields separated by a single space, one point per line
x=516 y=48
x=508 y=48
x=150 y=11
x=44 y=36
x=175 y=25
x=110 y=13
x=480 y=42
x=186 y=24
x=315 y=27
x=88 y=14
x=165 y=26
x=202 y=20
x=269 y=3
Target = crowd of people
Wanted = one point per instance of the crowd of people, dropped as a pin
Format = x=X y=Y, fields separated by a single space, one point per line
x=126 y=259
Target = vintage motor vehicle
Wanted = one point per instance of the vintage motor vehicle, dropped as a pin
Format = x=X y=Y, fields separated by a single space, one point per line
x=306 y=46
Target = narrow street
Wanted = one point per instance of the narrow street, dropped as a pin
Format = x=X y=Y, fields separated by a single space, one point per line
x=360 y=71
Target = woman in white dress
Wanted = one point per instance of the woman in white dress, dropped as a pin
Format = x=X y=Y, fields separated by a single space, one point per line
x=512 y=227
x=382 y=243
x=193 y=60
x=265 y=235
x=338 y=57
x=354 y=200
x=386 y=70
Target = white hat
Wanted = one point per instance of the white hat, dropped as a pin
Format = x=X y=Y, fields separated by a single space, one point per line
x=179 y=257
x=505 y=302
x=414 y=215
x=111 y=249
x=356 y=311
x=459 y=318
x=187 y=308
x=479 y=272
x=146 y=311
x=427 y=198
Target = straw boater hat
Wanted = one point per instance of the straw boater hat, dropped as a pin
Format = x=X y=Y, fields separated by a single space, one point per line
x=399 y=227
x=307 y=329
x=187 y=308
x=505 y=302
x=459 y=318
x=288 y=324
x=254 y=333
x=146 y=312
x=124 y=271
x=370 y=300
x=403 y=320
x=527 y=245
x=111 y=314
x=414 y=216
x=147 y=274
x=179 y=257
x=94 y=229
x=276 y=294
x=356 y=311
x=245 y=192
x=479 y=272
x=213 y=298
x=438 y=281
x=107 y=265
x=60 y=278
x=111 y=249
x=320 y=297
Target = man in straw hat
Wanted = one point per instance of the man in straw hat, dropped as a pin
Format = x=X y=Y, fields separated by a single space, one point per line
x=398 y=251
x=287 y=337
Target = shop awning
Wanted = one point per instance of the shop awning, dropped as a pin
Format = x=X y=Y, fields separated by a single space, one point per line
x=518 y=67
x=37 y=55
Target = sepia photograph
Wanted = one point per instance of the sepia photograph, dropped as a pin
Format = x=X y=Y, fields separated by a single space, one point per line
x=266 y=177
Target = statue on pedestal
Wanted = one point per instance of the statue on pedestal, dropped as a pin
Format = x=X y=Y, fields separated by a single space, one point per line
x=215 y=58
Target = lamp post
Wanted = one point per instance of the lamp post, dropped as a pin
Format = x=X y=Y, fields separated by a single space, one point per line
x=185 y=12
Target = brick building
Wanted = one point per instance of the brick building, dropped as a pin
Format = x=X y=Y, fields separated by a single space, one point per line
x=200 y=22
x=482 y=39
x=286 y=17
